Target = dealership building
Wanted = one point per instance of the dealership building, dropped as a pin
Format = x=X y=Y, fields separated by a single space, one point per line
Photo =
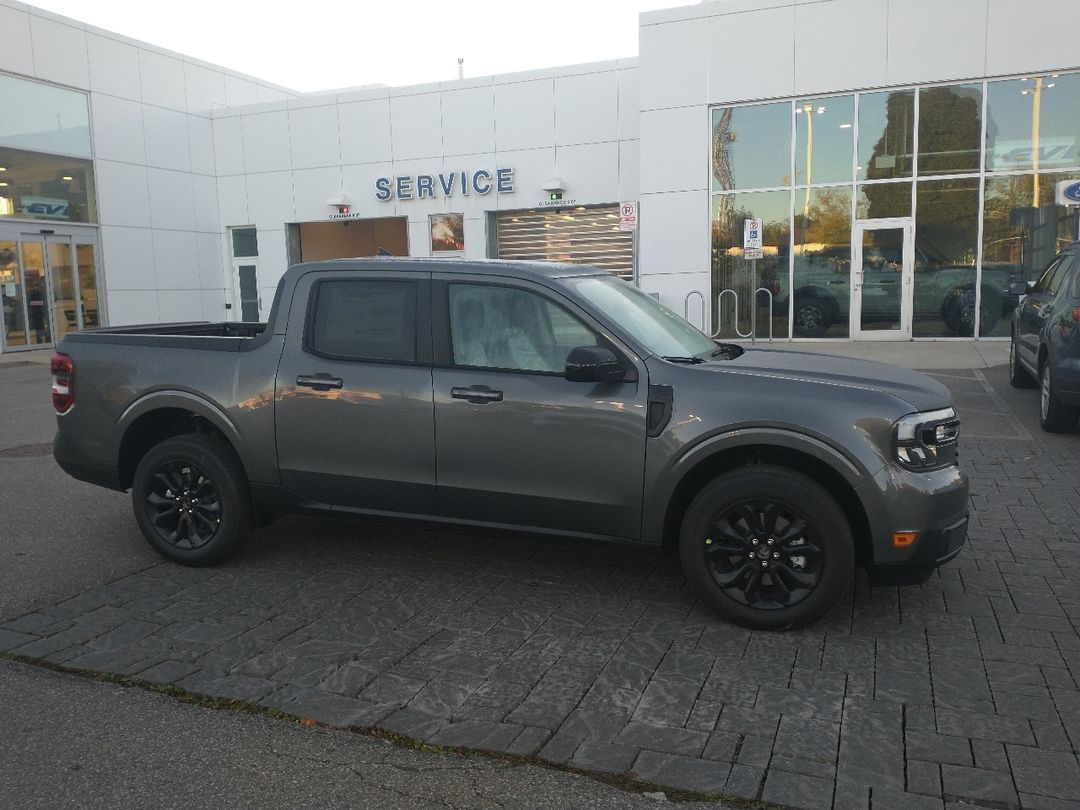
x=903 y=158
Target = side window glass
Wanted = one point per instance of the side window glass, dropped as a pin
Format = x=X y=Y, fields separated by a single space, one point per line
x=1061 y=274
x=364 y=320
x=1043 y=284
x=508 y=328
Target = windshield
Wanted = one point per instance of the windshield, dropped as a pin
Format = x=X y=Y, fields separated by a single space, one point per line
x=648 y=321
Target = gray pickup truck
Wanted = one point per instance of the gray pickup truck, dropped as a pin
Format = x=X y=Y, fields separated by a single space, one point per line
x=538 y=397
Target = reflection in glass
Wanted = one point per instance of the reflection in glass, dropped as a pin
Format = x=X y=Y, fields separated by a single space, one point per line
x=65 y=314
x=824 y=139
x=87 y=286
x=881 y=281
x=46 y=187
x=946 y=240
x=950 y=126
x=822 y=263
x=11 y=295
x=731 y=271
x=1033 y=123
x=43 y=118
x=1020 y=239
x=886 y=134
x=37 y=294
x=751 y=146
x=883 y=200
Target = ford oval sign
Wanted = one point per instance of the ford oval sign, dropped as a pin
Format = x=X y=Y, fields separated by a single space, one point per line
x=1068 y=192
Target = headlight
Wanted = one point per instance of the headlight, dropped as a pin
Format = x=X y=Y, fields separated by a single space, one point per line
x=927 y=441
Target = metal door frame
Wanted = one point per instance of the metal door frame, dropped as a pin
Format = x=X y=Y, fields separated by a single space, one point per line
x=907 y=281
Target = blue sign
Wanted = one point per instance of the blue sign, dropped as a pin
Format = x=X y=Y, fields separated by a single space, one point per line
x=446 y=184
x=1071 y=193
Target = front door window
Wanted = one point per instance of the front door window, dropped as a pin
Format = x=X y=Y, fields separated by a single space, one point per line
x=882 y=271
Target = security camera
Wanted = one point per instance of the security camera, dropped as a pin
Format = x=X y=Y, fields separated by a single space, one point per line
x=554 y=184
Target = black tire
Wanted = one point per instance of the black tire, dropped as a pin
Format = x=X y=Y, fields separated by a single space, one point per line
x=813 y=317
x=958 y=311
x=1018 y=375
x=191 y=499
x=1054 y=415
x=721 y=551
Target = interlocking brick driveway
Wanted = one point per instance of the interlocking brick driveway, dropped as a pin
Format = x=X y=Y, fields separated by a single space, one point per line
x=963 y=689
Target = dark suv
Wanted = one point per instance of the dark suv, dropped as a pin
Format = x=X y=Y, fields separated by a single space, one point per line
x=1046 y=340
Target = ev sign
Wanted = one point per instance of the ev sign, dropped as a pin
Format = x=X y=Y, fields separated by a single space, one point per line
x=628 y=216
x=1068 y=192
x=752 y=246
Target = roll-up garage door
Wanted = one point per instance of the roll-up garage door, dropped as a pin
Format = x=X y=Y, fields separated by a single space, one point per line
x=582 y=235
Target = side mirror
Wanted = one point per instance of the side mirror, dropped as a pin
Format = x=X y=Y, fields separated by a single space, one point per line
x=1019 y=288
x=593 y=364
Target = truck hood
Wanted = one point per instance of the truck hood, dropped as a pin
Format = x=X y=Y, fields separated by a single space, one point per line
x=918 y=390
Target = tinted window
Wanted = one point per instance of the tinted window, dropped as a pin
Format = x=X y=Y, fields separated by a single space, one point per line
x=508 y=328
x=365 y=320
x=1055 y=282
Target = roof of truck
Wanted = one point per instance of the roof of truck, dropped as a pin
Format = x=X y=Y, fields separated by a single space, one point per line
x=494 y=267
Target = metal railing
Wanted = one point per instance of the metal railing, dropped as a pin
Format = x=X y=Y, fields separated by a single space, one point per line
x=752 y=334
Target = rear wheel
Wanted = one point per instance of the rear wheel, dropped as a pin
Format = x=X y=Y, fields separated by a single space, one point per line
x=767 y=547
x=1054 y=416
x=191 y=501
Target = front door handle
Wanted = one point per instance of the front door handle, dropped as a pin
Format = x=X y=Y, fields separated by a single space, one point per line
x=477 y=394
x=320 y=382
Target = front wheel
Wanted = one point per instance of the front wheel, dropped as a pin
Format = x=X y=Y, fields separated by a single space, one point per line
x=1054 y=415
x=767 y=547
x=191 y=500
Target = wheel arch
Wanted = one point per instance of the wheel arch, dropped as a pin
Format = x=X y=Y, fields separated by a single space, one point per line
x=810 y=461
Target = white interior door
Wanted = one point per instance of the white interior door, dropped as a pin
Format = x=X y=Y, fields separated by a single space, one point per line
x=882 y=279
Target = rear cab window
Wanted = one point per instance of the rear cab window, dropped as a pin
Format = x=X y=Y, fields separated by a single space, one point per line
x=363 y=319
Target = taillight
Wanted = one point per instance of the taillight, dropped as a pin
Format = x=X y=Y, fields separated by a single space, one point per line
x=63 y=382
x=1076 y=314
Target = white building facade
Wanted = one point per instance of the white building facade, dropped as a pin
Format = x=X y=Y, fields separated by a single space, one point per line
x=901 y=155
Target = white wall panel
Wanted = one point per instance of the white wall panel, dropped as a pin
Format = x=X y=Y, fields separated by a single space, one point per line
x=532 y=167
x=201 y=143
x=590 y=171
x=239 y=92
x=122 y=195
x=629 y=172
x=114 y=67
x=933 y=41
x=587 y=108
x=205 y=197
x=176 y=306
x=416 y=124
x=176 y=262
x=364 y=131
x=132 y=306
x=171 y=202
x=629 y=104
x=118 y=129
x=273 y=263
x=524 y=115
x=311 y=189
x=204 y=88
x=840 y=45
x=211 y=267
x=232 y=200
x=270 y=200
x=468 y=121
x=476 y=237
x=266 y=141
x=674 y=149
x=419 y=237
x=313 y=137
x=128 y=258
x=674 y=64
x=166 y=133
x=17 y=55
x=59 y=52
x=1036 y=36
x=672 y=289
x=674 y=233
x=751 y=55
x=359 y=183
x=229 y=145
x=162 y=80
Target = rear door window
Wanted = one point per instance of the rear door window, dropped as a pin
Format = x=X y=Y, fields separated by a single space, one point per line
x=370 y=319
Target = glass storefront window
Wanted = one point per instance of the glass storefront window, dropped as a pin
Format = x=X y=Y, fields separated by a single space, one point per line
x=883 y=200
x=751 y=146
x=950 y=126
x=43 y=118
x=824 y=138
x=1033 y=123
x=886 y=134
x=46 y=187
x=822 y=260
x=87 y=285
x=731 y=271
x=11 y=296
x=946 y=243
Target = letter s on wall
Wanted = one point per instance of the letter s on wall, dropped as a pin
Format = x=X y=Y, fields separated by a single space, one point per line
x=382 y=189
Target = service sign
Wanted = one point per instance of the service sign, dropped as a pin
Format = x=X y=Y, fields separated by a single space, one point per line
x=444 y=184
x=1068 y=192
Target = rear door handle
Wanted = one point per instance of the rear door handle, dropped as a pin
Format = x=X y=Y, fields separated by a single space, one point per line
x=477 y=394
x=320 y=382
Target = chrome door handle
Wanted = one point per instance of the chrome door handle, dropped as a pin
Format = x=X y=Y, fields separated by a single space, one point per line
x=477 y=395
x=320 y=382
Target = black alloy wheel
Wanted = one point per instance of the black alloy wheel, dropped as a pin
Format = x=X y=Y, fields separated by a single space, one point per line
x=812 y=319
x=184 y=504
x=191 y=499
x=767 y=547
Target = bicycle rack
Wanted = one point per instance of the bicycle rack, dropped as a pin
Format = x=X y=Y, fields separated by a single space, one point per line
x=752 y=334
x=686 y=307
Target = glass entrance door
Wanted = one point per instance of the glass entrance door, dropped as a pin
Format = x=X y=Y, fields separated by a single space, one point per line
x=882 y=274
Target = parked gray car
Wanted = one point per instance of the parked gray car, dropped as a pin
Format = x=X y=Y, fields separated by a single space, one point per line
x=538 y=397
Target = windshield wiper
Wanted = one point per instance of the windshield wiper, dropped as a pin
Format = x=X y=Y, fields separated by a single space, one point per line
x=728 y=351
x=690 y=360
